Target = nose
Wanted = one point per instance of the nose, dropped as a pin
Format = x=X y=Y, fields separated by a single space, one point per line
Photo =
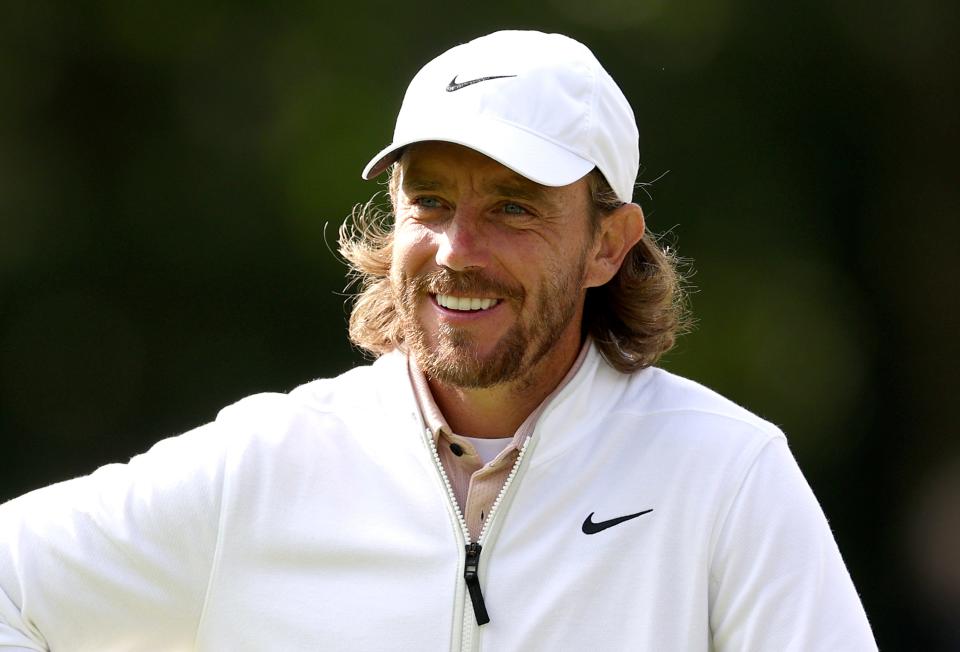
x=462 y=244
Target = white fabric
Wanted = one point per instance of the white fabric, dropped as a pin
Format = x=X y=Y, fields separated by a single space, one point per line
x=488 y=448
x=541 y=104
x=318 y=521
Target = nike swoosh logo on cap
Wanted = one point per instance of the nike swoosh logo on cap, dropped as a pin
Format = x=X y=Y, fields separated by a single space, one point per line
x=589 y=527
x=455 y=86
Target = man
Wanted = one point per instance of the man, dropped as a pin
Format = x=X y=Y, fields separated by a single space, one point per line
x=510 y=474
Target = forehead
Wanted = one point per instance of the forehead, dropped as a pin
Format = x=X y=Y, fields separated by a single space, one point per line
x=439 y=165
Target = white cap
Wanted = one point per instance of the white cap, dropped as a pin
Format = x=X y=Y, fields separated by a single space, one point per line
x=540 y=104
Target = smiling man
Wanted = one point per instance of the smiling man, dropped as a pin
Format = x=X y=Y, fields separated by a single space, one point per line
x=491 y=272
x=511 y=473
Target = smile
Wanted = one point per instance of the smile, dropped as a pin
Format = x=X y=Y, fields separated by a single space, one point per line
x=464 y=303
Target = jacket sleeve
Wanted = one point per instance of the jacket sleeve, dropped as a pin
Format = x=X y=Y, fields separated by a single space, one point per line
x=777 y=581
x=117 y=560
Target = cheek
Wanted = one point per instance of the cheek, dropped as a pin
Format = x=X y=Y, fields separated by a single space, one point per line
x=413 y=248
x=567 y=268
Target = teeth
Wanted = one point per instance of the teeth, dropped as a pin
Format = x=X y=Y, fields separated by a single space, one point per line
x=464 y=303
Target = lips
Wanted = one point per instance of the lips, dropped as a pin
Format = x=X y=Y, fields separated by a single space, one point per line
x=465 y=292
x=451 y=302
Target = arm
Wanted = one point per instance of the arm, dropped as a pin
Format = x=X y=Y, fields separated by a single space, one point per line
x=777 y=579
x=119 y=559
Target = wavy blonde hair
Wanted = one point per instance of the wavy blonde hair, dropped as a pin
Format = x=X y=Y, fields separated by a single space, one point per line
x=634 y=318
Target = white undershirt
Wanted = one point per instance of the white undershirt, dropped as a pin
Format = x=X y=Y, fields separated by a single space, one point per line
x=488 y=449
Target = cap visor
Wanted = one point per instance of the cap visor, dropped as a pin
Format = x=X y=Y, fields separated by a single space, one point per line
x=527 y=154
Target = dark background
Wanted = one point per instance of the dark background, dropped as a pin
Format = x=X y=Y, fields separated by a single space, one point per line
x=172 y=176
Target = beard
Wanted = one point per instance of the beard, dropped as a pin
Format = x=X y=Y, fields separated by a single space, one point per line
x=455 y=358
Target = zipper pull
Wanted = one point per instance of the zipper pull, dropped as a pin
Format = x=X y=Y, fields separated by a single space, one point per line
x=473 y=583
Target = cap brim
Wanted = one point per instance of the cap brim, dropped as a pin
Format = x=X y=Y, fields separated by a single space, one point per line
x=530 y=156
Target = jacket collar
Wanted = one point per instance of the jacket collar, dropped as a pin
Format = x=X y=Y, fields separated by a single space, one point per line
x=437 y=423
x=564 y=418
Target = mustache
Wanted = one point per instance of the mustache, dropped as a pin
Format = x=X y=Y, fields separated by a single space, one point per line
x=445 y=281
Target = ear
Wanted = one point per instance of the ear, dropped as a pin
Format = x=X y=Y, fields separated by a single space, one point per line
x=619 y=232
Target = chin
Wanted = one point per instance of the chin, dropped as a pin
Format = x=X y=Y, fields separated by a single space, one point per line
x=456 y=360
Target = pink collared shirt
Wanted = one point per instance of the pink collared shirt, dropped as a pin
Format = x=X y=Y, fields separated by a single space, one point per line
x=474 y=484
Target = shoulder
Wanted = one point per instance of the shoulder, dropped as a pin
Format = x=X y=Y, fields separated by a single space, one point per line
x=359 y=389
x=685 y=415
x=652 y=414
x=318 y=412
x=657 y=392
x=656 y=396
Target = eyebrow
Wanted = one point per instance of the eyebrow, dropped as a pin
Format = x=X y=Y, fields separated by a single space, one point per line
x=516 y=187
x=521 y=190
x=524 y=189
x=421 y=184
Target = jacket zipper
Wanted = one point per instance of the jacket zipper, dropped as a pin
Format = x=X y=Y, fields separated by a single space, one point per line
x=473 y=549
x=470 y=576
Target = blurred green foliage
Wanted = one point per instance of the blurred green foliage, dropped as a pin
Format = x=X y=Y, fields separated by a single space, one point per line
x=172 y=176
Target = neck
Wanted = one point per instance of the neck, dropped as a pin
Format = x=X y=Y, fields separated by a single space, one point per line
x=498 y=411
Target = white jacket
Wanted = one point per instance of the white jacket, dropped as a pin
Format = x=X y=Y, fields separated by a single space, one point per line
x=319 y=520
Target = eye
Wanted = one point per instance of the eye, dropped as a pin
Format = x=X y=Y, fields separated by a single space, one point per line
x=427 y=202
x=514 y=209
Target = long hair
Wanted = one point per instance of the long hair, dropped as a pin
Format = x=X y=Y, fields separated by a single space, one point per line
x=634 y=318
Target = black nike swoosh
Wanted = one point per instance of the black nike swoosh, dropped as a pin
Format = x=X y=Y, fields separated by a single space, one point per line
x=454 y=86
x=589 y=527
